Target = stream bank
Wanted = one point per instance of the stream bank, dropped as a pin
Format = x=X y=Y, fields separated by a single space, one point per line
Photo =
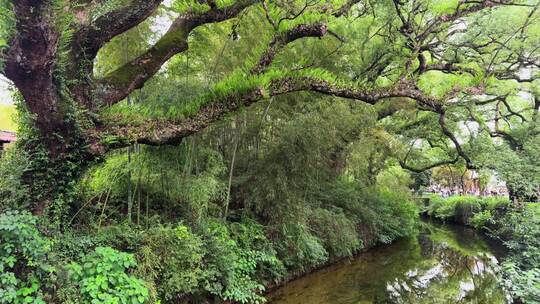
x=441 y=264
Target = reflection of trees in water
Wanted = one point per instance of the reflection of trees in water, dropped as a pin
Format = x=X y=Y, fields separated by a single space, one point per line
x=448 y=276
x=443 y=265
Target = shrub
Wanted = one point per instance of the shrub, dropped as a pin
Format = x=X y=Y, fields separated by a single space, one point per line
x=445 y=211
x=171 y=258
x=250 y=235
x=521 y=269
x=439 y=208
x=481 y=219
x=387 y=214
x=399 y=212
x=299 y=249
x=337 y=232
x=231 y=261
x=73 y=244
x=464 y=208
x=524 y=283
x=495 y=202
x=102 y=278
x=189 y=191
x=24 y=267
x=390 y=215
x=234 y=257
x=13 y=193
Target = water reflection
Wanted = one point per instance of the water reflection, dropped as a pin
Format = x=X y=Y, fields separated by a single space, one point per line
x=441 y=265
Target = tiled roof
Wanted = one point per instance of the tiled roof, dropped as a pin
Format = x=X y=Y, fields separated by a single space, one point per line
x=6 y=136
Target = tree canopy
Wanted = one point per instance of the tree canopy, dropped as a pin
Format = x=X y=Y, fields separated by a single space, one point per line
x=454 y=75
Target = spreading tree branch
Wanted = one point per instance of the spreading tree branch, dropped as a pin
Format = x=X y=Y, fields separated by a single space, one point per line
x=282 y=39
x=460 y=12
x=344 y=10
x=404 y=165
x=120 y=83
x=100 y=31
x=446 y=131
x=159 y=132
x=448 y=68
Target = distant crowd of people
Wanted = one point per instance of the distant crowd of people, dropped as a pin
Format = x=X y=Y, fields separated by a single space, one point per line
x=449 y=191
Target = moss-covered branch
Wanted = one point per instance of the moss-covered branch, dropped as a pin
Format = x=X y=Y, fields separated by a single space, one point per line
x=279 y=41
x=119 y=133
x=131 y=76
x=94 y=34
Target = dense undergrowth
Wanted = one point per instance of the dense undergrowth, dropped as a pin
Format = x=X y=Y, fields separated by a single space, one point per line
x=182 y=260
x=518 y=227
x=174 y=225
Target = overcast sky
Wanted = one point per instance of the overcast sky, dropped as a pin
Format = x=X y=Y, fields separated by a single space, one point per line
x=5 y=94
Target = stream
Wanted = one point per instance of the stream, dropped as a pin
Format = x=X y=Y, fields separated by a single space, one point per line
x=442 y=264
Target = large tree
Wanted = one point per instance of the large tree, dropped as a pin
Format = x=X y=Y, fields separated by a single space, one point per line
x=49 y=50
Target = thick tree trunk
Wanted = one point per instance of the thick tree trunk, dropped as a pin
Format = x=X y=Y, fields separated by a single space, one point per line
x=56 y=149
x=30 y=65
